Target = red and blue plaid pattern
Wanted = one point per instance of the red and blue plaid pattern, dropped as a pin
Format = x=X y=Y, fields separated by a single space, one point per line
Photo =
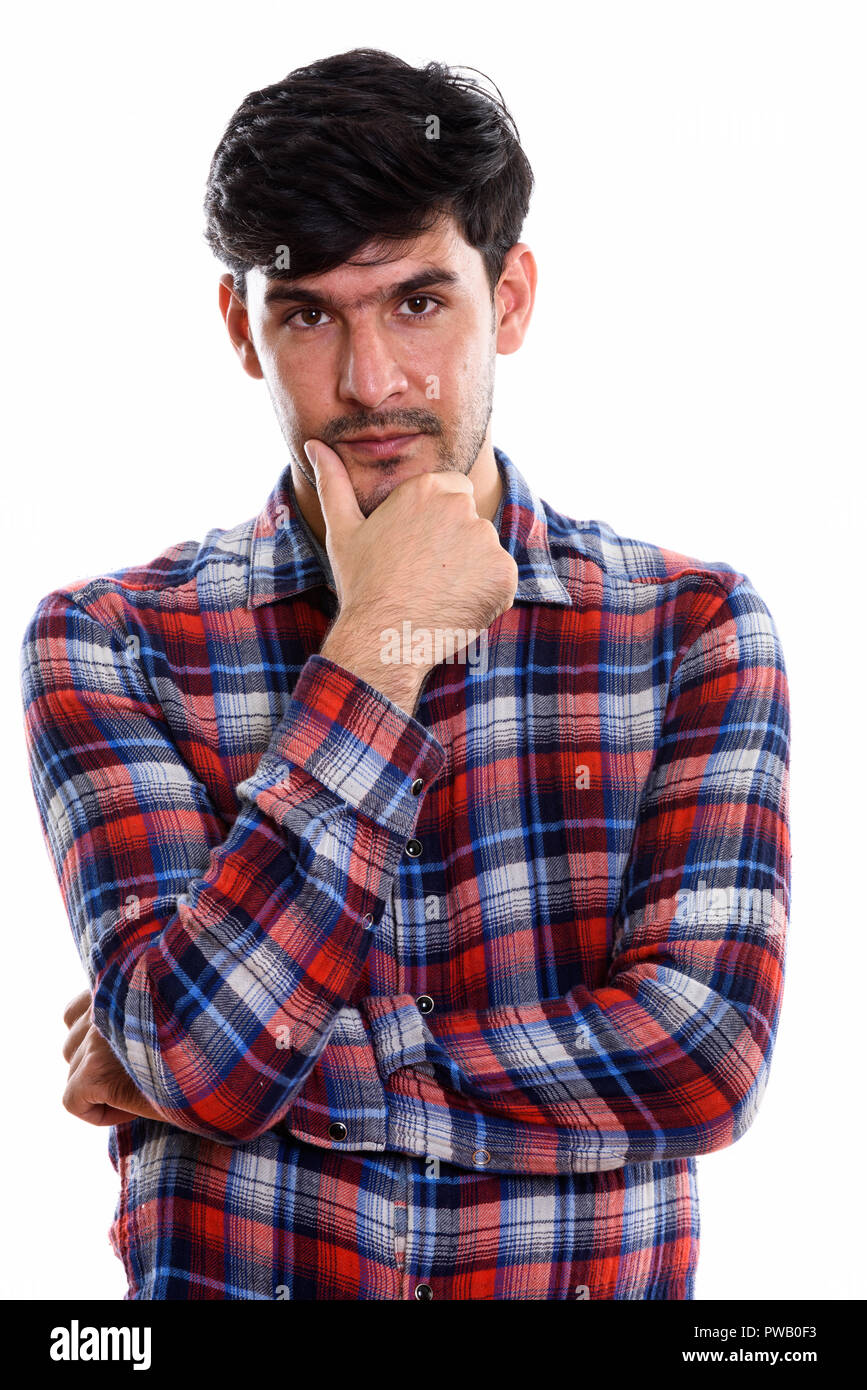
x=597 y=913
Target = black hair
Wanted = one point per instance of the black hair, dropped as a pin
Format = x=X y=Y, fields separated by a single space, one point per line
x=363 y=147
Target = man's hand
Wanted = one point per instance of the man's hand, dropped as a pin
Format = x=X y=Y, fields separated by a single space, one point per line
x=424 y=555
x=98 y=1089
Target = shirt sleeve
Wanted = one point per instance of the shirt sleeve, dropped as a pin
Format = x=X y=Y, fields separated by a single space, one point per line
x=671 y=1057
x=219 y=963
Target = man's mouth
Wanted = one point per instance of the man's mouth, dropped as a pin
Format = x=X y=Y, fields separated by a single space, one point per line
x=378 y=446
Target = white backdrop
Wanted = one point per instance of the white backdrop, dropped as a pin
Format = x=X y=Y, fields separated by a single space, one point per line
x=694 y=374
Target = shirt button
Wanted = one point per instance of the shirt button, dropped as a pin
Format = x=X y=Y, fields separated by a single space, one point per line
x=413 y=848
x=367 y=919
x=481 y=1157
x=337 y=1131
x=423 y=1292
x=424 y=1004
x=417 y=786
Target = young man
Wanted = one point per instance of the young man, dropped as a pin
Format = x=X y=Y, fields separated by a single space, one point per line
x=426 y=850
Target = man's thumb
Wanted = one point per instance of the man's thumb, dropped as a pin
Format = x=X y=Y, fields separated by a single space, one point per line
x=336 y=494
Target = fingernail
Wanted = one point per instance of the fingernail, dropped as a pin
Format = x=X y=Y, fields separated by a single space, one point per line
x=310 y=451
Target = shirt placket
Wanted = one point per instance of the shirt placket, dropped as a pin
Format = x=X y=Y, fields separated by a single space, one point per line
x=399 y=1198
x=406 y=1216
x=419 y=851
x=400 y=1212
x=401 y=1220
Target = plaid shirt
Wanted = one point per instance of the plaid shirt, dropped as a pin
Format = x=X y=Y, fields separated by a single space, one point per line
x=434 y=1006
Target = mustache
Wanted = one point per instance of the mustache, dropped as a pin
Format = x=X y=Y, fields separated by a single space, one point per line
x=404 y=421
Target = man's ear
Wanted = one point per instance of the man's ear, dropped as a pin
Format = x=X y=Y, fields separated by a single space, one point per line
x=233 y=311
x=514 y=298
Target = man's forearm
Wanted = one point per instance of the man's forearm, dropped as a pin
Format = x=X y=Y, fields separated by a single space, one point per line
x=357 y=648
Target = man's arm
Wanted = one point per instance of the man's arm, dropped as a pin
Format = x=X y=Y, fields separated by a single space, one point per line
x=218 y=963
x=221 y=966
x=671 y=1058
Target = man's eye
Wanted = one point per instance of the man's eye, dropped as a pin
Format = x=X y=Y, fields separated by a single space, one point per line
x=421 y=299
x=309 y=310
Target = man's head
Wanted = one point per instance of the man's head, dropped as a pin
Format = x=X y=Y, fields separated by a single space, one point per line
x=387 y=201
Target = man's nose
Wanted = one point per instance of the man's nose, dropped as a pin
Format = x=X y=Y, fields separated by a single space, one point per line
x=369 y=371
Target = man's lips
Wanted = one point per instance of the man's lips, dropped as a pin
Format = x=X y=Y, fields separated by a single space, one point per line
x=382 y=446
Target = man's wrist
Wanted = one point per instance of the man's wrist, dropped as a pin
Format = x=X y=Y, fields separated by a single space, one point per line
x=360 y=649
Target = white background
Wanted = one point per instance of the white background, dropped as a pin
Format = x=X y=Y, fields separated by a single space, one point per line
x=694 y=375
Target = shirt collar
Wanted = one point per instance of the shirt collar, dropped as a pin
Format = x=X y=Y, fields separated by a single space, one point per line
x=284 y=559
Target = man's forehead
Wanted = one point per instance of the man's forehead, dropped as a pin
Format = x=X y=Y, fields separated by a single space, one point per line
x=374 y=265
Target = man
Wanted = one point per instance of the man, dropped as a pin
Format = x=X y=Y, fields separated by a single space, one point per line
x=426 y=850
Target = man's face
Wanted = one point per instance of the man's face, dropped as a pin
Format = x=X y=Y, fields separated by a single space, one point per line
x=405 y=347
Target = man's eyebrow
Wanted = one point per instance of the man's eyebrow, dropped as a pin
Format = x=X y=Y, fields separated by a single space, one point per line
x=279 y=291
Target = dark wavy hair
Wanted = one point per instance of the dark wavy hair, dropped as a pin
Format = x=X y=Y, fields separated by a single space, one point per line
x=339 y=153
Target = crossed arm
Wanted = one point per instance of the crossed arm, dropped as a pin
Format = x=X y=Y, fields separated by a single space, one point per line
x=670 y=1058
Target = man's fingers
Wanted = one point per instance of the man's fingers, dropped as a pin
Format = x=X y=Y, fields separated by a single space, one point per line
x=336 y=494
x=98 y=1089
x=84 y=1094
x=75 y=1037
x=450 y=481
x=93 y=1112
x=76 y=1007
x=110 y=1116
